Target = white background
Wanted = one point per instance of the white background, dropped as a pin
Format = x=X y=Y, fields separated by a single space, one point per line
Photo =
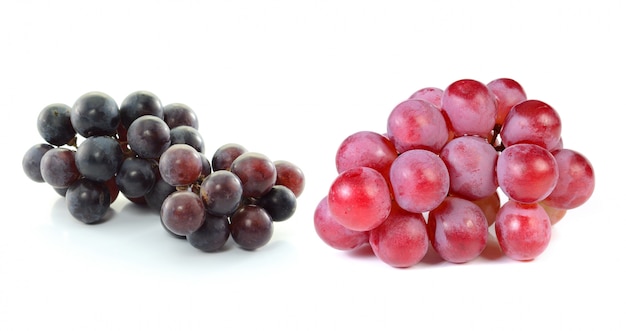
x=292 y=79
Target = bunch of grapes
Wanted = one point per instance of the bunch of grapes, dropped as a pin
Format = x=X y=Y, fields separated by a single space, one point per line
x=154 y=155
x=437 y=175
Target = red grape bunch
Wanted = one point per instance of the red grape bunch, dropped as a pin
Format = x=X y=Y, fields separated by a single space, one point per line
x=154 y=155
x=436 y=177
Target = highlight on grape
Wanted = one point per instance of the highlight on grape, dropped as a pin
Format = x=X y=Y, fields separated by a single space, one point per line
x=451 y=164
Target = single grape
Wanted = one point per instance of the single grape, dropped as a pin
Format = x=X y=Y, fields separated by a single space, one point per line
x=257 y=173
x=470 y=106
x=221 y=192
x=555 y=214
x=366 y=149
x=31 y=162
x=420 y=180
x=430 y=94
x=490 y=206
x=187 y=135
x=333 y=233
x=212 y=235
x=400 y=241
x=526 y=173
x=114 y=190
x=458 y=230
x=225 y=155
x=178 y=114
x=532 y=122
x=417 y=124
x=359 y=199
x=290 y=175
x=251 y=227
x=508 y=93
x=523 y=230
x=95 y=114
x=149 y=137
x=136 y=177
x=99 y=157
x=576 y=180
x=54 y=124
x=180 y=165
x=280 y=203
x=206 y=167
x=88 y=201
x=58 y=167
x=471 y=162
x=137 y=104
x=182 y=213
x=60 y=190
x=159 y=192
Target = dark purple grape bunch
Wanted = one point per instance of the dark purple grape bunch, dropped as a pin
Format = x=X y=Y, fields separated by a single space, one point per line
x=238 y=194
x=154 y=155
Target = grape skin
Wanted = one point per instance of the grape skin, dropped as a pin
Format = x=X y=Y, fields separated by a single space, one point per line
x=87 y=200
x=182 y=212
x=490 y=206
x=149 y=137
x=359 y=199
x=526 y=173
x=470 y=107
x=532 y=122
x=420 y=180
x=576 y=180
x=221 y=192
x=471 y=163
x=290 y=175
x=138 y=104
x=136 y=177
x=508 y=93
x=280 y=203
x=458 y=230
x=159 y=192
x=58 y=167
x=366 y=149
x=180 y=165
x=212 y=235
x=401 y=241
x=178 y=114
x=225 y=155
x=331 y=232
x=523 y=230
x=414 y=124
x=99 y=158
x=95 y=114
x=256 y=172
x=430 y=94
x=31 y=162
x=54 y=124
x=187 y=135
x=251 y=227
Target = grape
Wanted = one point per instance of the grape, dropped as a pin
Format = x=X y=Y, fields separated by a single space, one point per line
x=114 y=190
x=555 y=214
x=576 y=180
x=490 y=206
x=402 y=240
x=359 y=199
x=178 y=114
x=95 y=114
x=257 y=173
x=212 y=235
x=420 y=180
x=430 y=94
x=149 y=137
x=182 y=213
x=31 y=162
x=471 y=162
x=414 y=124
x=221 y=192
x=280 y=203
x=159 y=192
x=470 y=107
x=206 y=167
x=136 y=177
x=58 y=167
x=87 y=200
x=527 y=173
x=458 y=230
x=180 y=165
x=508 y=93
x=99 y=157
x=54 y=124
x=187 y=135
x=532 y=122
x=251 y=227
x=523 y=230
x=225 y=155
x=333 y=233
x=290 y=175
x=138 y=104
x=366 y=149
